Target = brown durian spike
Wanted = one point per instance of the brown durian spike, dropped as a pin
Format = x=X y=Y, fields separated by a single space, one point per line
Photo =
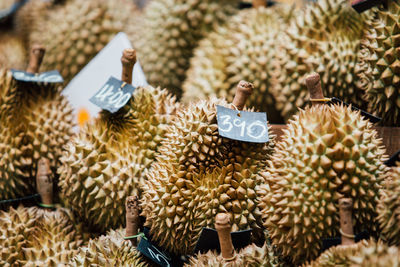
x=132 y=218
x=35 y=58
x=44 y=181
x=223 y=226
x=259 y=3
x=243 y=91
x=128 y=60
x=313 y=83
x=346 y=222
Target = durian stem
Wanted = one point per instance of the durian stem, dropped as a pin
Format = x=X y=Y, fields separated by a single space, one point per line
x=128 y=60
x=132 y=217
x=35 y=58
x=44 y=181
x=346 y=222
x=224 y=227
x=259 y=3
x=243 y=91
x=313 y=83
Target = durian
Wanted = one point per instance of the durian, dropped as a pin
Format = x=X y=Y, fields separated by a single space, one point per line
x=112 y=249
x=199 y=174
x=379 y=65
x=248 y=256
x=12 y=51
x=104 y=163
x=171 y=29
x=325 y=37
x=243 y=49
x=376 y=254
x=388 y=209
x=36 y=122
x=76 y=31
x=326 y=153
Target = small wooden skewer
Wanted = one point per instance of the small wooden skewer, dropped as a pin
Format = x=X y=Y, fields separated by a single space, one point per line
x=44 y=181
x=35 y=58
x=224 y=227
x=132 y=218
x=128 y=60
x=243 y=91
x=346 y=222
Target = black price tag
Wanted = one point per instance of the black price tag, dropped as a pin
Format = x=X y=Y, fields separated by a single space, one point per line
x=242 y=125
x=335 y=241
x=394 y=159
x=369 y=116
x=362 y=5
x=45 y=77
x=154 y=253
x=208 y=240
x=113 y=95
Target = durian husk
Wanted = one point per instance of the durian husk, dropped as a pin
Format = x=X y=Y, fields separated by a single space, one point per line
x=376 y=254
x=388 y=209
x=324 y=38
x=36 y=122
x=76 y=31
x=379 y=65
x=12 y=51
x=243 y=49
x=105 y=162
x=326 y=153
x=37 y=237
x=250 y=256
x=109 y=250
x=170 y=31
x=199 y=174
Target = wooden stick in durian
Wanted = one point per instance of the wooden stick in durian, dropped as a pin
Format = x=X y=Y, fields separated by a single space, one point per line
x=259 y=3
x=128 y=60
x=313 y=83
x=243 y=91
x=35 y=58
x=346 y=221
x=44 y=181
x=132 y=218
x=224 y=227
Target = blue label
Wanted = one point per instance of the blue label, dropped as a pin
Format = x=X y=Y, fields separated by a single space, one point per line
x=44 y=77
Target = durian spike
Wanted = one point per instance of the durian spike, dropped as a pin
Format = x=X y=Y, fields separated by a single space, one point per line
x=44 y=181
x=35 y=58
x=346 y=222
x=128 y=60
x=224 y=227
x=259 y=3
x=132 y=217
x=243 y=91
x=313 y=83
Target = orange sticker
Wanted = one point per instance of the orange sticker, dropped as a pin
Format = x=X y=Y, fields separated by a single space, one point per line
x=83 y=116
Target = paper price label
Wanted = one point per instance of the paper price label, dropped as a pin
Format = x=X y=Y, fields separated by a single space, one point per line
x=113 y=95
x=243 y=126
x=44 y=77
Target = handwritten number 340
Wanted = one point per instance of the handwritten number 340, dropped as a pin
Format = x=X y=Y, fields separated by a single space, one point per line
x=250 y=130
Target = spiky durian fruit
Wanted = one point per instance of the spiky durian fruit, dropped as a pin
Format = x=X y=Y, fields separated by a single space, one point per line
x=36 y=122
x=12 y=51
x=376 y=254
x=109 y=250
x=379 y=65
x=250 y=256
x=16 y=226
x=170 y=31
x=76 y=31
x=54 y=240
x=325 y=38
x=104 y=163
x=327 y=152
x=243 y=49
x=388 y=209
x=199 y=174
x=338 y=255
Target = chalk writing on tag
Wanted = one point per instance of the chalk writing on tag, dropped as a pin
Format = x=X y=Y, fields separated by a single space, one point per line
x=44 y=77
x=153 y=253
x=242 y=125
x=113 y=95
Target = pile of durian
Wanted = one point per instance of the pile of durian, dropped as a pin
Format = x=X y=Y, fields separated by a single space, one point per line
x=158 y=170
